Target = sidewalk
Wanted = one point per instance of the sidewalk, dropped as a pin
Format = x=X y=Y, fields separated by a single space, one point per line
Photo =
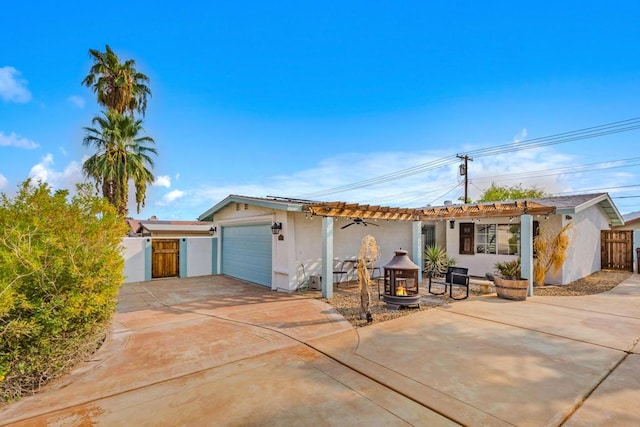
x=215 y=351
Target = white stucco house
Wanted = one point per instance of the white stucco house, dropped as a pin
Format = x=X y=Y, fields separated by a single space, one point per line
x=313 y=234
x=477 y=240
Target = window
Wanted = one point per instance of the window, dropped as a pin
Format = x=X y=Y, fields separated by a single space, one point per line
x=503 y=239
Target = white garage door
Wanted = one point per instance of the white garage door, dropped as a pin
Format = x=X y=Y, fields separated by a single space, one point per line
x=246 y=253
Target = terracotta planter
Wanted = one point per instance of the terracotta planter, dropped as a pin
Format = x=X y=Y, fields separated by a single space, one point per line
x=513 y=289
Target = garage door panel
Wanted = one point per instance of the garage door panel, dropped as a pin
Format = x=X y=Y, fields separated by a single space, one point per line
x=246 y=253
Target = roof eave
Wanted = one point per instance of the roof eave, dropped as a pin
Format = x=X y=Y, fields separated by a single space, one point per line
x=265 y=203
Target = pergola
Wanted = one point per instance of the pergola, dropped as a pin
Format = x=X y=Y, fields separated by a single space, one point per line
x=329 y=210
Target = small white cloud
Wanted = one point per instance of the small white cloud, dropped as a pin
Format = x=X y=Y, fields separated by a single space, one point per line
x=3 y=182
x=63 y=151
x=65 y=179
x=12 y=87
x=172 y=196
x=177 y=176
x=77 y=101
x=162 y=181
x=521 y=136
x=14 y=140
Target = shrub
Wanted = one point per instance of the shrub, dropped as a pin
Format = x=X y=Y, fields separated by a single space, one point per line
x=60 y=271
x=509 y=269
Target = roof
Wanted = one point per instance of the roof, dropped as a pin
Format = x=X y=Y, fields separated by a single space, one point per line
x=537 y=206
x=279 y=203
x=566 y=205
x=138 y=225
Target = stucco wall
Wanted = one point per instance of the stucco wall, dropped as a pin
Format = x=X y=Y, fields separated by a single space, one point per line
x=478 y=264
x=583 y=255
x=137 y=260
x=134 y=258
x=389 y=235
x=198 y=256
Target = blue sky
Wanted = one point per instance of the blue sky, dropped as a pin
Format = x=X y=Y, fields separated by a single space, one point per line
x=291 y=99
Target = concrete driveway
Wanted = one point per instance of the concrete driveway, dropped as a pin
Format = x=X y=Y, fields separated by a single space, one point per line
x=216 y=351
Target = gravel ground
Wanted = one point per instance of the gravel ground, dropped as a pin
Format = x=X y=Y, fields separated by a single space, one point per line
x=346 y=297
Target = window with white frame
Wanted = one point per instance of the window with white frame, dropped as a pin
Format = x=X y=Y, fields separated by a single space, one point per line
x=502 y=239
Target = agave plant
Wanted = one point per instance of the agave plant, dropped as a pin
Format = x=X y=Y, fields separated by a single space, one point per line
x=509 y=269
x=436 y=261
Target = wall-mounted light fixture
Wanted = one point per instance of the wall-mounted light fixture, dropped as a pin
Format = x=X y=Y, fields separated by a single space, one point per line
x=212 y=231
x=276 y=228
x=452 y=224
x=568 y=217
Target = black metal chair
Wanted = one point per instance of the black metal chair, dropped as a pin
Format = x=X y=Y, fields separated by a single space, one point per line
x=339 y=272
x=455 y=276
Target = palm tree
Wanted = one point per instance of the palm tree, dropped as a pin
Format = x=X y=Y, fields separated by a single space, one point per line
x=121 y=155
x=118 y=85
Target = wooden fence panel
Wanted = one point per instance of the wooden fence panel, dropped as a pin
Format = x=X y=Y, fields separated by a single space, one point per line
x=616 y=250
x=165 y=260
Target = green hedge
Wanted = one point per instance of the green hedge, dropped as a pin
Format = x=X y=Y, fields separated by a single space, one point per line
x=60 y=271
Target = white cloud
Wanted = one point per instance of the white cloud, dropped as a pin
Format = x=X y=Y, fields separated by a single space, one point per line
x=162 y=181
x=77 y=101
x=520 y=136
x=14 y=140
x=3 y=182
x=13 y=88
x=177 y=176
x=64 y=179
x=171 y=197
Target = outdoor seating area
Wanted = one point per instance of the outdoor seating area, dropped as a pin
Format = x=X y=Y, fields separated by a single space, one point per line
x=455 y=277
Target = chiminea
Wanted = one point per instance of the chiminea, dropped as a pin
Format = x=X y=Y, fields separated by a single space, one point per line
x=401 y=282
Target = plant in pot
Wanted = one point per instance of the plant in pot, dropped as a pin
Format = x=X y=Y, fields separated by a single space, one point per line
x=509 y=283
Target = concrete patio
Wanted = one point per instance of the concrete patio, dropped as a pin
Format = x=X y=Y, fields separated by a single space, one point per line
x=216 y=351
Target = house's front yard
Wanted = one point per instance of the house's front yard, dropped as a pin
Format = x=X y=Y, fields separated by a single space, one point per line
x=346 y=298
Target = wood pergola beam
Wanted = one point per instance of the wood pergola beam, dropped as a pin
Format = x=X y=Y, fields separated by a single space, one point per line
x=354 y=210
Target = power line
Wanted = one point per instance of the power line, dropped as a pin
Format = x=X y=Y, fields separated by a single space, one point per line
x=560 y=138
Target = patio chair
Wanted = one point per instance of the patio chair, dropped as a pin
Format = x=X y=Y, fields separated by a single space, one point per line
x=454 y=277
x=339 y=272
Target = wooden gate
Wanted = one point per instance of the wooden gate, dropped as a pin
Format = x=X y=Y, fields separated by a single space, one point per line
x=165 y=258
x=616 y=251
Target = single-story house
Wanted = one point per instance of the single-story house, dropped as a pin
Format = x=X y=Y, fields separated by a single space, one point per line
x=477 y=240
x=267 y=240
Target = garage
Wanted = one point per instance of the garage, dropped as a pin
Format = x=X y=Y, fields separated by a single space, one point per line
x=246 y=253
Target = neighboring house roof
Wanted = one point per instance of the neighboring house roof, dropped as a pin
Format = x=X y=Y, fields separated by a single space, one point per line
x=139 y=226
x=631 y=216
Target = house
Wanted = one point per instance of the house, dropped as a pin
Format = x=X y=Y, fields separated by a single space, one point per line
x=479 y=235
x=267 y=240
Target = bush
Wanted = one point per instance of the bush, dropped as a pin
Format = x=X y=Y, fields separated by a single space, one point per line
x=60 y=271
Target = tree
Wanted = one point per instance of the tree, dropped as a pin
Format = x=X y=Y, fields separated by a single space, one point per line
x=118 y=85
x=121 y=155
x=60 y=271
x=497 y=193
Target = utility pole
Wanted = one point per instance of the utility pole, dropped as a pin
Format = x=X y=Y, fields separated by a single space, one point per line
x=464 y=171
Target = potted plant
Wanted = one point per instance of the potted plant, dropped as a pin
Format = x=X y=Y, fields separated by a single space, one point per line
x=509 y=283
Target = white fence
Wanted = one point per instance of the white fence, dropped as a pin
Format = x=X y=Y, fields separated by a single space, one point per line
x=198 y=257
